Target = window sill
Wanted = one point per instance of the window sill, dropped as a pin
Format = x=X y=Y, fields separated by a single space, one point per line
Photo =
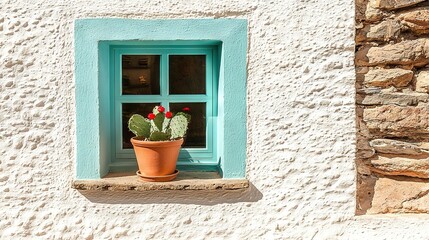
x=184 y=181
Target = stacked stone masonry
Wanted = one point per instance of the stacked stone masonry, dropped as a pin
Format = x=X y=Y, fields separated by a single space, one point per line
x=392 y=86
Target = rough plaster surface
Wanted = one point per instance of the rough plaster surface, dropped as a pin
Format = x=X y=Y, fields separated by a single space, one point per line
x=301 y=137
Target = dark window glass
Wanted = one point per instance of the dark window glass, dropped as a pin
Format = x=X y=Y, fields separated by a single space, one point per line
x=128 y=109
x=187 y=74
x=196 y=136
x=140 y=74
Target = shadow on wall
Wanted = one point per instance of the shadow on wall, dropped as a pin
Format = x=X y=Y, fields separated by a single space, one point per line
x=199 y=197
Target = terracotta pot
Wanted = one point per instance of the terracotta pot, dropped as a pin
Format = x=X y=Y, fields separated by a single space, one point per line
x=156 y=158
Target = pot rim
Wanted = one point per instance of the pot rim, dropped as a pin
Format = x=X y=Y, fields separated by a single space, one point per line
x=169 y=143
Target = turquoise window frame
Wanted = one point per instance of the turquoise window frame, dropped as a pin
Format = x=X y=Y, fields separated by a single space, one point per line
x=195 y=159
x=93 y=41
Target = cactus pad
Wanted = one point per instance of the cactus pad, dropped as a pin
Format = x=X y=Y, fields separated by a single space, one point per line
x=178 y=126
x=159 y=120
x=188 y=117
x=159 y=136
x=139 y=125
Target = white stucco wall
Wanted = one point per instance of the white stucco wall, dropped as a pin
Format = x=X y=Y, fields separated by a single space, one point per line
x=301 y=137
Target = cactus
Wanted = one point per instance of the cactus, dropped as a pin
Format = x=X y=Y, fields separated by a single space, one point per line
x=160 y=126
x=155 y=110
x=188 y=117
x=166 y=124
x=159 y=136
x=159 y=119
x=178 y=126
x=139 y=125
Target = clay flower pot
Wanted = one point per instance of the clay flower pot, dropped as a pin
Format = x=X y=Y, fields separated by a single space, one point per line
x=157 y=159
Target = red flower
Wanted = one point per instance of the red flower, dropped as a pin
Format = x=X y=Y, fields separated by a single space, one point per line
x=186 y=109
x=168 y=114
x=151 y=116
x=161 y=109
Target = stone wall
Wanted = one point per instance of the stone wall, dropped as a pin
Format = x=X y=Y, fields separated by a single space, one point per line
x=392 y=84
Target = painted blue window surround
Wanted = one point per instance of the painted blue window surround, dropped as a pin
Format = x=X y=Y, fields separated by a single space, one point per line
x=225 y=41
x=200 y=158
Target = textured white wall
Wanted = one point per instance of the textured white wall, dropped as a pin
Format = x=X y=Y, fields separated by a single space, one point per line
x=301 y=138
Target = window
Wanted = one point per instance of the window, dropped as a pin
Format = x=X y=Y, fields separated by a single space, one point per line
x=175 y=76
x=122 y=65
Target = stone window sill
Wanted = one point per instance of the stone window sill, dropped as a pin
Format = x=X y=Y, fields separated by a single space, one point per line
x=184 y=181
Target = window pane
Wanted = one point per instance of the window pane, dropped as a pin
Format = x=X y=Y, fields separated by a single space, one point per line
x=196 y=136
x=187 y=74
x=140 y=74
x=128 y=109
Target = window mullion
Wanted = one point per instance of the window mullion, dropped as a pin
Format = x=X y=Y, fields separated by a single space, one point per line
x=164 y=78
x=188 y=98
x=117 y=104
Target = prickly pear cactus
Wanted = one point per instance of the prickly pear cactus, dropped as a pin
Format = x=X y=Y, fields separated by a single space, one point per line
x=178 y=126
x=160 y=126
x=139 y=125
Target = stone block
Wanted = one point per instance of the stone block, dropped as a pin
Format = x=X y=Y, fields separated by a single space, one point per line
x=184 y=181
x=400 y=195
x=395 y=98
x=396 y=147
x=360 y=10
x=409 y=52
x=422 y=81
x=364 y=149
x=384 y=31
x=417 y=20
x=394 y=4
x=396 y=77
x=401 y=166
x=398 y=121
x=373 y=14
